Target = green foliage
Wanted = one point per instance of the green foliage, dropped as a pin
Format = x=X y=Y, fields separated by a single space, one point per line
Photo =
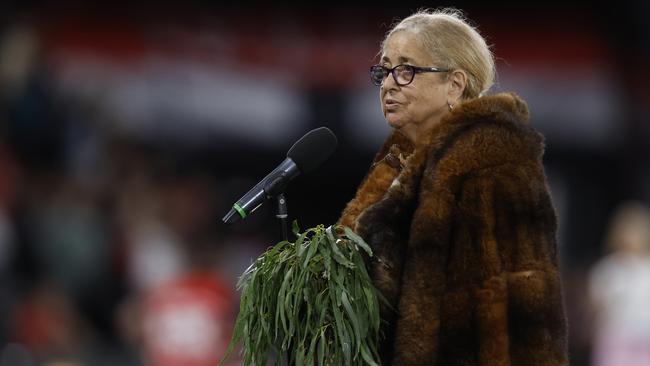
x=311 y=302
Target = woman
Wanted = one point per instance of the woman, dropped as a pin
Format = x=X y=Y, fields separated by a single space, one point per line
x=457 y=208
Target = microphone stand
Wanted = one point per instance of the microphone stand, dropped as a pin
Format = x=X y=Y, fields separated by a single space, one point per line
x=282 y=214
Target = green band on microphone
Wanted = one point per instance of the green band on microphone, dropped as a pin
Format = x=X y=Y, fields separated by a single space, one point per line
x=240 y=210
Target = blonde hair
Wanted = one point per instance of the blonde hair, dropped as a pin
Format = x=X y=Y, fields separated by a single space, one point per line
x=453 y=43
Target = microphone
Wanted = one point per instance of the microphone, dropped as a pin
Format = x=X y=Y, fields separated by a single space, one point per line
x=305 y=155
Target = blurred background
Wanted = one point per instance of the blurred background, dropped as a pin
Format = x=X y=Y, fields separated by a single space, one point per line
x=127 y=131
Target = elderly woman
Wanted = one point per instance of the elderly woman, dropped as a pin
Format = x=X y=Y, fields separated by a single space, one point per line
x=456 y=207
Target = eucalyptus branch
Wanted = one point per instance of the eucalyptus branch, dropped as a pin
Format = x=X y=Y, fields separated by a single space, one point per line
x=311 y=301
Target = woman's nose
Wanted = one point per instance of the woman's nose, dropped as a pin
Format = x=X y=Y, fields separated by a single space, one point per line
x=389 y=82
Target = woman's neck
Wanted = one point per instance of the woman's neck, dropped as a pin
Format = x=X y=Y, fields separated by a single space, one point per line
x=418 y=135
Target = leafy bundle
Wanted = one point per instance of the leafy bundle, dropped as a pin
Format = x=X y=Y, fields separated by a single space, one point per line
x=311 y=301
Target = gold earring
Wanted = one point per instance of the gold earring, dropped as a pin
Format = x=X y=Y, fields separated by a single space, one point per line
x=451 y=106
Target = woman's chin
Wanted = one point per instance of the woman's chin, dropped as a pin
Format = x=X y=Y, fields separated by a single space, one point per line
x=394 y=121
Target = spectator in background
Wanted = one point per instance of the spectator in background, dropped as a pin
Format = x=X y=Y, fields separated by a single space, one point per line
x=48 y=324
x=180 y=310
x=619 y=286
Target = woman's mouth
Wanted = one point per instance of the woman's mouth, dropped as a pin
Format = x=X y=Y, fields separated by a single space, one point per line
x=391 y=104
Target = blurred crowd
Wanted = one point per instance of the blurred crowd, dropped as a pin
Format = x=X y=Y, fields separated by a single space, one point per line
x=112 y=251
x=110 y=248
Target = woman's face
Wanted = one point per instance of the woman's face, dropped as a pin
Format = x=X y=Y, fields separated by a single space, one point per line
x=418 y=106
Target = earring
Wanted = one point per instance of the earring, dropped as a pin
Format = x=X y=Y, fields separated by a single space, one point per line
x=451 y=106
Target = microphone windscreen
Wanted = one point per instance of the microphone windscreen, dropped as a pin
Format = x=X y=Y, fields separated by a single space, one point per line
x=313 y=149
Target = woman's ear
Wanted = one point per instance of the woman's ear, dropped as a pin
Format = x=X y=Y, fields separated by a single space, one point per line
x=457 y=84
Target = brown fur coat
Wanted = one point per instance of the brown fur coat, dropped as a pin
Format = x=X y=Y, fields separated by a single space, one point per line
x=464 y=237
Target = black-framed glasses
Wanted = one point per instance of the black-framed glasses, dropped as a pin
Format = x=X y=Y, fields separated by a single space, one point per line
x=403 y=74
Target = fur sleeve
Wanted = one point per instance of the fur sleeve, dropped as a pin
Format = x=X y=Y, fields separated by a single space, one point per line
x=486 y=290
x=509 y=224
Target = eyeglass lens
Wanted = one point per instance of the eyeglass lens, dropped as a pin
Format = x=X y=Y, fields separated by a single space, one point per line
x=403 y=74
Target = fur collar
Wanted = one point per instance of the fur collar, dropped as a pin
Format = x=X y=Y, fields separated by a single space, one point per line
x=491 y=115
x=478 y=133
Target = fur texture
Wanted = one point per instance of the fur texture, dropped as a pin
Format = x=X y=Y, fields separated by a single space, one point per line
x=463 y=230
